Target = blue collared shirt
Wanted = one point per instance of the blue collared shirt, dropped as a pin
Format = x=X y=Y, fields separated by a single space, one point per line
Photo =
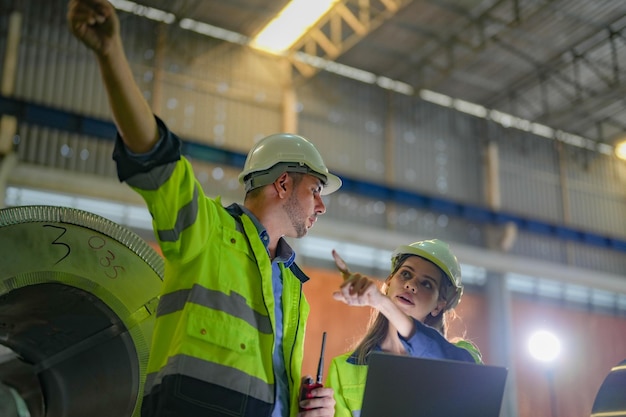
x=427 y=342
x=286 y=255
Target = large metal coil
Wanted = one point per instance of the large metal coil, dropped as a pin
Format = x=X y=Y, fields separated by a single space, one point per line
x=78 y=294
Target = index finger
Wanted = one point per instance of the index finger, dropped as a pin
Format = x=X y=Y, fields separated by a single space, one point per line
x=341 y=264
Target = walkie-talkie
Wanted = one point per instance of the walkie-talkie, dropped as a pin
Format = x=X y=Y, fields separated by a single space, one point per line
x=308 y=384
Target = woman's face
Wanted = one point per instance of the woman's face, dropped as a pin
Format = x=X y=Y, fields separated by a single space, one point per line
x=414 y=287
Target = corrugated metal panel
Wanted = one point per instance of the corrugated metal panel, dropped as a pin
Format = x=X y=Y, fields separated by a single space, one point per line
x=529 y=193
x=356 y=210
x=346 y=120
x=217 y=119
x=427 y=224
x=437 y=151
x=539 y=247
x=529 y=175
x=218 y=180
x=423 y=224
x=4 y=29
x=56 y=149
x=53 y=68
x=592 y=209
x=104 y=161
x=574 y=254
x=597 y=192
x=220 y=94
x=593 y=258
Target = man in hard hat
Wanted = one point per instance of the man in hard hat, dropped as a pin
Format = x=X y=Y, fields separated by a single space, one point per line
x=229 y=330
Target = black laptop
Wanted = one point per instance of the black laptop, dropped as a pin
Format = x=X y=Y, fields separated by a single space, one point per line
x=403 y=386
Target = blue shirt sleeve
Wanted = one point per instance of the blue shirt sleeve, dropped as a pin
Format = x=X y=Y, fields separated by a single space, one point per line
x=167 y=150
x=427 y=342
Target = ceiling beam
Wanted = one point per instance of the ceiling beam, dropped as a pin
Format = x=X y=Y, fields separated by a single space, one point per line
x=578 y=81
x=446 y=53
x=341 y=28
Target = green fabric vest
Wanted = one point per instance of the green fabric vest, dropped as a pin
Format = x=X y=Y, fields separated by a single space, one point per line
x=215 y=320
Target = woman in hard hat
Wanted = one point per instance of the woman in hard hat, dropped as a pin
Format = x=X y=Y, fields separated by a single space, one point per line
x=409 y=316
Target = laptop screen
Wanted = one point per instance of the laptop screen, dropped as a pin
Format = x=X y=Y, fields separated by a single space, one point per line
x=404 y=386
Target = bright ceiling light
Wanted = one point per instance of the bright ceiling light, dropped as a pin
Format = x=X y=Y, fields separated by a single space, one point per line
x=544 y=346
x=290 y=24
x=620 y=150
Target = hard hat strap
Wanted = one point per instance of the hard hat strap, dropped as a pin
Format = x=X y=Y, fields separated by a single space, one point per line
x=260 y=178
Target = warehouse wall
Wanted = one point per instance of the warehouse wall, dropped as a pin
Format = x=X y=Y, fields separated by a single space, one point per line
x=220 y=94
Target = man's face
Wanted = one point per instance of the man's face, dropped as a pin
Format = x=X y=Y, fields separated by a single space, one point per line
x=304 y=204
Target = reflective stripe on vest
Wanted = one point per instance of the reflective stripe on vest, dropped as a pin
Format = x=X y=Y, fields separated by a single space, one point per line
x=234 y=305
x=185 y=217
x=213 y=373
x=154 y=179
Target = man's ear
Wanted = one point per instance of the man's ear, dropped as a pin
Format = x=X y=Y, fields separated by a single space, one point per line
x=281 y=184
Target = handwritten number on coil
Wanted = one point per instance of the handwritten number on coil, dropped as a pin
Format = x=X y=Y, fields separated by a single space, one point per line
x=59 y=243
x=106 y=258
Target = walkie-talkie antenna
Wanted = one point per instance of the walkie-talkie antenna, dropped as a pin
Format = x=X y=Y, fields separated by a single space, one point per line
x=320 y=365
x=308 y=385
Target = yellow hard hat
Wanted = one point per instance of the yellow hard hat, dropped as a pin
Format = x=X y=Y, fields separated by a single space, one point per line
x=437 y=252
x=285 y=152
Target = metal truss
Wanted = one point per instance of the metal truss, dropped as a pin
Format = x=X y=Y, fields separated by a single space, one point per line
x=342 y=27
x=582 y=83
x=580 y=86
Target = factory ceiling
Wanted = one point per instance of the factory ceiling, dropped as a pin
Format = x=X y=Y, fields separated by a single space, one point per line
x=557 y=63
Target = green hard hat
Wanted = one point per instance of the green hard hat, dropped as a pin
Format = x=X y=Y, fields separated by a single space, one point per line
x=285 y=152
x=437 y=252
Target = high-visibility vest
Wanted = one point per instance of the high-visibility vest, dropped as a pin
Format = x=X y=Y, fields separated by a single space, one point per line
x=348 y=381
x=215 y=320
